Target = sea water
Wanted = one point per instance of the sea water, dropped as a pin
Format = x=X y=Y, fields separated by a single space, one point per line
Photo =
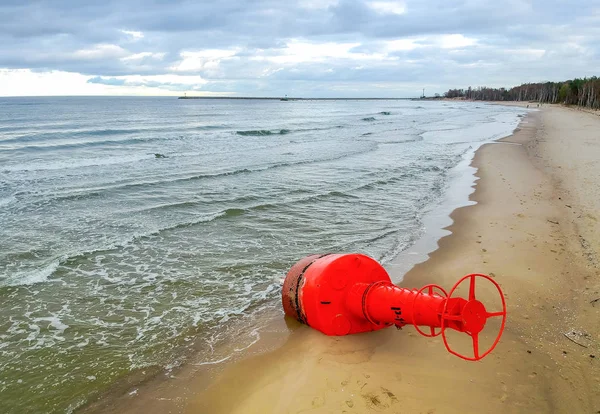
x=132 y=229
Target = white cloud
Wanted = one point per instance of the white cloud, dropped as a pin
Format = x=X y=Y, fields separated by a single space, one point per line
x=162 y=79
x=270 y=71
x=24 y=82
x=317 y=4
x=100 y=51
x=388 y=7
x=454 y=41
x=208 y=59
x=525 y=54
x=273 y=47
x=134 y=35
x=298 y=52
x=143 y=55
x=402 y=44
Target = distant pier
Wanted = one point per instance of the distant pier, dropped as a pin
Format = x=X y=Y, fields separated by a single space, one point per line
x=294 y=99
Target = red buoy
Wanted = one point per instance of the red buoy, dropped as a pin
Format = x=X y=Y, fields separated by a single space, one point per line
x=341 y=294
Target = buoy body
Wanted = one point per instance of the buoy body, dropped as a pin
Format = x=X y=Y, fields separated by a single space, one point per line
x=318 y=291
x=341 y=294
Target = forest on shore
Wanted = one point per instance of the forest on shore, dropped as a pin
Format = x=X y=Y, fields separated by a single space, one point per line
x=582 y=92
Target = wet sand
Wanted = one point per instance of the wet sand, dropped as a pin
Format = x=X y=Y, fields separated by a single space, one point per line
x=534 y=229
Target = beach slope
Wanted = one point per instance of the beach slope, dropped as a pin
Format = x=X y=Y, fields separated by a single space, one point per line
x=535 y=230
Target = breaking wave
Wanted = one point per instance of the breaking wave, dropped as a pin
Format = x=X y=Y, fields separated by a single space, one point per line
x=263 y=132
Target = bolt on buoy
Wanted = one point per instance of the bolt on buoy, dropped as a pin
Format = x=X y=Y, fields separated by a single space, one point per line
x=342 y=294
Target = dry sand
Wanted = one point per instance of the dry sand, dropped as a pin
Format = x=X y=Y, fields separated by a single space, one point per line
x=534 y=228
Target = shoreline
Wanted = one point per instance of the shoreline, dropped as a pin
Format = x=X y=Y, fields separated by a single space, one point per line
x=376 y=371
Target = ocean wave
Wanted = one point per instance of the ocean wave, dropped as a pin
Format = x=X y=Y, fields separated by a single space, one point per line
x=369 y=119
x=374 y=184
x=263 y=132
x=7 y=200
x=400 y=244
x=396 y=176
x=328 y=195
x=29 y=128
x=401 y=141
x=265 y=168
x=385 y=113
x=194 y=177
x=48 y=136
x=77 y=196
x=208 y=127
x=233 y=212
x=67 y=164
x=109 y=131
x=195 y=203
x=31 y=277
x=381 y=236
x=207 y=218
x=17 y=102
x=319 y=128
x=70 y=145
x=43 y=273
x=77 y=139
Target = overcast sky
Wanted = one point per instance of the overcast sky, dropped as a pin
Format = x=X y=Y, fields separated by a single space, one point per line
x=305 y=48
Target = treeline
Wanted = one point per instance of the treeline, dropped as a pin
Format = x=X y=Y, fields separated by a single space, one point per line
x=583 y=92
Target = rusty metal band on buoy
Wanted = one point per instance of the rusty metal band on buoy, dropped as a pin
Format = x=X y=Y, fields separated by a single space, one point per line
x=291 y=287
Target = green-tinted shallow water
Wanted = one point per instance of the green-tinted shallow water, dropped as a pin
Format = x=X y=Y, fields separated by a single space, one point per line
x=114 y=259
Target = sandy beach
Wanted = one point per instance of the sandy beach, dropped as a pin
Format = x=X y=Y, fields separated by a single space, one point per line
x=534 y=229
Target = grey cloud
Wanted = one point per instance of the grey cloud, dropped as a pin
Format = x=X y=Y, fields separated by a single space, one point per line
x=107 y=81
x=46 y=35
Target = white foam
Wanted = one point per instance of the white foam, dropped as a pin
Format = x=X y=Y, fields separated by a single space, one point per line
x=212 y=362
x=46 y=165
x=31 y=277
x=84 y=343
x=7 y=200
x=456 y=194
x=55 y=322
x=35 y=331
x=256 y=335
